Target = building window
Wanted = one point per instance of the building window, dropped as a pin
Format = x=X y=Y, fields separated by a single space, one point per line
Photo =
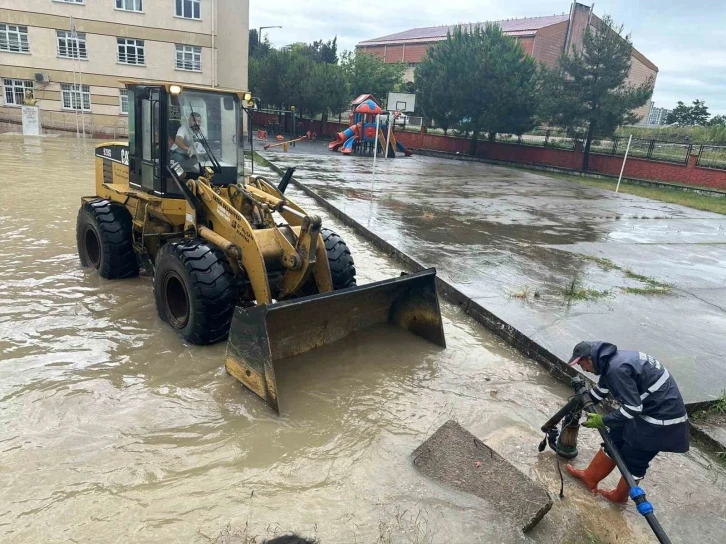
x=71 y=1
x=188 y=57
x=189 y=9
x=75 y=97
x=130 y=5
x=130 y=51
x=71 y=45
x=123 y=101
x=15 y=91
x=14 y=39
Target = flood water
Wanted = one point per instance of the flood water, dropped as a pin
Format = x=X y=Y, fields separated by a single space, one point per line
x=112 y=429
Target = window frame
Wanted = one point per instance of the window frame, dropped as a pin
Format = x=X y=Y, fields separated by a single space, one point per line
x=123 y=2
x=76 y=2
x=69 y=38
x=121 y=94
x=180 y=66
x=20 y=33
x=136 y=47
x=13 y=85
x=192 y=3
x=81 y=90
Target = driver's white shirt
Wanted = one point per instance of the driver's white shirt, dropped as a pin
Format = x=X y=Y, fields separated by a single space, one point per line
x=188 y=136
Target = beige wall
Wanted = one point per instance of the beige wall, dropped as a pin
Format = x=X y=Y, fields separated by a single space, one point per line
x=102 y=59
x=221 y=33
x=232 y=43
x=157 y=13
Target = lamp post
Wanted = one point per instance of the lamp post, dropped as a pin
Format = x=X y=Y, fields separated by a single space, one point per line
x=259 y=33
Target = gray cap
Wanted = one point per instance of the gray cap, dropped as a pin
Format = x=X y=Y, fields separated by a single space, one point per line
x=581 y=351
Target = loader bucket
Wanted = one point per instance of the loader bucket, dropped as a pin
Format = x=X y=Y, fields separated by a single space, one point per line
x=262 y=335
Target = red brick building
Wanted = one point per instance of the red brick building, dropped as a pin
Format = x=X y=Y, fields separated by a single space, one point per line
x=545 y=38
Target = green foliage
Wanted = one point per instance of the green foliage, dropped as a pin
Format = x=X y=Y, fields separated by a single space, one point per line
x=369 y=74
x=257 y=48
x=717 y=121
x=695 y=115
x=588 y=91
x=479 y=81
x=292 y=77
x=714 y=134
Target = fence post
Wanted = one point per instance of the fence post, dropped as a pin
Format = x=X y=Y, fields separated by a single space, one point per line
x=616 y=139
x=547 y=137
x=622 y=169
x=650 y=149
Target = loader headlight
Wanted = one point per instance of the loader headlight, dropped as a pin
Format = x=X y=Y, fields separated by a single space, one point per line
x=248 y=97
x=175 y=89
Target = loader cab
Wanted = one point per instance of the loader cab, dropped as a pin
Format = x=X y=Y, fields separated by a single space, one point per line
x=194 y=126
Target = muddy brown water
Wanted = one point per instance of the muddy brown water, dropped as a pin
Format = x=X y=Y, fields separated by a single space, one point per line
x=114 y=430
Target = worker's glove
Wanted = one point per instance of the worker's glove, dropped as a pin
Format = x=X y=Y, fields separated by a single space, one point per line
x=594 y=421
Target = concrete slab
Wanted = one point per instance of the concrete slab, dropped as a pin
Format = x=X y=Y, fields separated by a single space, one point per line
x=515 y=241
x=455 y=457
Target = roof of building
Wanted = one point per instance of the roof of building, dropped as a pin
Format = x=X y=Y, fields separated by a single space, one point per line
x=527 y=26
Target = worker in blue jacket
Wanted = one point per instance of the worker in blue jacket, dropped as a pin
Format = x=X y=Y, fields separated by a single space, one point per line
x=651 y=418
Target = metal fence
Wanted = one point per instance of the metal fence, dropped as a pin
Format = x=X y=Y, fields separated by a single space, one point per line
x=712 y=156
x=653 y=150
x=541 y=137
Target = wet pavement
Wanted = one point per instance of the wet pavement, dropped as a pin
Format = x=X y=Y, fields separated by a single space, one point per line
x=114 y=430
x=559 y=261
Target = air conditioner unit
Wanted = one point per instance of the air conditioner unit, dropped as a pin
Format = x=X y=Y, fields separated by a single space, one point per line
x=40 y=77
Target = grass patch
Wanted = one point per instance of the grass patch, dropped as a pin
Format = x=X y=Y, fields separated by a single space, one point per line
x=646 y=290
x=575 y=291
x=671 y=196
x=652 y=286
x=717 y=408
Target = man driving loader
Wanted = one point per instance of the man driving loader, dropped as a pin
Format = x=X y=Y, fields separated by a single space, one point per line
x=652 y=417
x=186 y=142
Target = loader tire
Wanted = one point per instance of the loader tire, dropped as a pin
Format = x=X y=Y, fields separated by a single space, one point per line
x=342 y=267
x=104 y=239
x=195 y=290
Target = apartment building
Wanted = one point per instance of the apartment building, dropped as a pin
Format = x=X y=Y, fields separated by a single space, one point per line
x=72 y=54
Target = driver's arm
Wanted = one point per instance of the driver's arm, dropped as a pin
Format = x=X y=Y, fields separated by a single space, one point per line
x=180 y=140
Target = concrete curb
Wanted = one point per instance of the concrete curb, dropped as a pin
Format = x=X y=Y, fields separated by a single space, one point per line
x=715 y=193
x=521 y=342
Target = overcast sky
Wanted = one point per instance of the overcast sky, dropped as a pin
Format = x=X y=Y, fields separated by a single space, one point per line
x=686 y=40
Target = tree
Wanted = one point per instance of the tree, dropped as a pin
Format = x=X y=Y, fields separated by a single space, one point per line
x=369 y=74
x=717 y=121
x=588 y=90
x=695 y=115
x=481 y=80
x=257 y=48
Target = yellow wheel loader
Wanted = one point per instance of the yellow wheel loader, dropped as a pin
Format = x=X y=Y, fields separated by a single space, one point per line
x=231 y=255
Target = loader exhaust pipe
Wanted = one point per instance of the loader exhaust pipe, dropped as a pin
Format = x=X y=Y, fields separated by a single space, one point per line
x=262 y=335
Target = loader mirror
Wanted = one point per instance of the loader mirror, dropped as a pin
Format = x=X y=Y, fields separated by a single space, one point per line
x=228 y=103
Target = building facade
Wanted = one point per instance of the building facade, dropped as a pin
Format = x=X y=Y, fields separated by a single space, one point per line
x=657 y=116
x=72 y=54
x=544 y=38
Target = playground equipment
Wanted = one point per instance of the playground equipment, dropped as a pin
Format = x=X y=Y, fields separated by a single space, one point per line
x=284 y=143
x=361 y=136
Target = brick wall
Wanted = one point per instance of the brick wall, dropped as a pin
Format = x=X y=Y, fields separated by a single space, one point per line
x=688 y=174
x=527 y=45
x=549 y=43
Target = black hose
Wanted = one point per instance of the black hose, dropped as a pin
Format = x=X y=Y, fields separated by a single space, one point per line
x=645 y=508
